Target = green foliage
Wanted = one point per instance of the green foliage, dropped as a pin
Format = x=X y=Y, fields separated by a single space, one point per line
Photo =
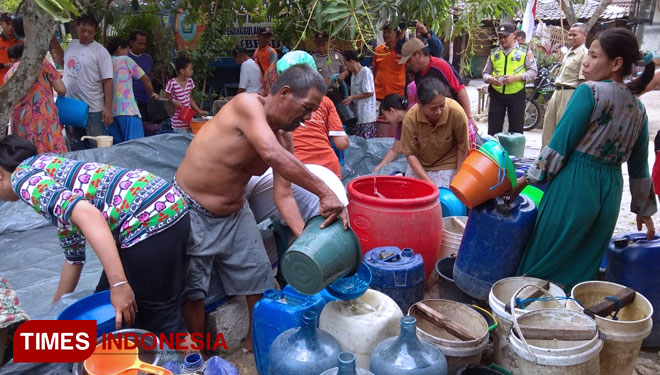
x=9 y=5
x=470 y=17
x=214 y=43
x=349 y=21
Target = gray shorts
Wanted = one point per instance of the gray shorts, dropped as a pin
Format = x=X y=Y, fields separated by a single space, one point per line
x=234 y=245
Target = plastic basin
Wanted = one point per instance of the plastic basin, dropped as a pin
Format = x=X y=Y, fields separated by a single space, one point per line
x=95 y=307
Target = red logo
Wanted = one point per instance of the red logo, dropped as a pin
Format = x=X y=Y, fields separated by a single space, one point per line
x=54 y=341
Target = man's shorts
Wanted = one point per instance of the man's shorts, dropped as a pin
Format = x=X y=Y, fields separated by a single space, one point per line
x=233 y=243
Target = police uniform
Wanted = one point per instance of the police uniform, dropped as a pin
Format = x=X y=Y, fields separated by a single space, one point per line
x=508 y=99
x=327 y=69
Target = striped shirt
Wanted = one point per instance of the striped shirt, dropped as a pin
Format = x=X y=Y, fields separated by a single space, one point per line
x=182 y=95
x=136 y=204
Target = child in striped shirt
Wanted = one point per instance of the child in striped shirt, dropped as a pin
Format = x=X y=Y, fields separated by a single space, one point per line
x=178 y=90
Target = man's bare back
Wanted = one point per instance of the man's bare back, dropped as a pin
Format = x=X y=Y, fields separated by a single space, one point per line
x=247 y=136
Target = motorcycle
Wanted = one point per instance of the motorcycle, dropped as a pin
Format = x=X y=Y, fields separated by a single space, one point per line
x=543 y=86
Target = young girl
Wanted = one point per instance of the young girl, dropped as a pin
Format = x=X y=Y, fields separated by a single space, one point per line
x=127 y=122
x=363 y=94
x=394 y=108
x=178 y=90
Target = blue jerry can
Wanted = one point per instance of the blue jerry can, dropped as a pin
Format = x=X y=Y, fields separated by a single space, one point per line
x=275 y=313
x=494 y=241
x=634 y=261
x=398 y=274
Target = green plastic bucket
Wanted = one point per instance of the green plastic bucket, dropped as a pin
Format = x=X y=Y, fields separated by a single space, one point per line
x=320 y=256
x=533 y=193
x=497 y=153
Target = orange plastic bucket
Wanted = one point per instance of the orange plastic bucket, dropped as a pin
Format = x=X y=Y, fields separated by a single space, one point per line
x=197 y=124
x=479 y=179
x=111 y=360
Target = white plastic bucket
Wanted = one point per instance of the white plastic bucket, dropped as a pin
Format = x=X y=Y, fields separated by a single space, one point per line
x=556 y=357
x=452 y=235
x=499 y=296
x=458 y=353
x=623 y=337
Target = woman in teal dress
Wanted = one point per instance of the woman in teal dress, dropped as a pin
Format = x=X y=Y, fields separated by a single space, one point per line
x=604 y=125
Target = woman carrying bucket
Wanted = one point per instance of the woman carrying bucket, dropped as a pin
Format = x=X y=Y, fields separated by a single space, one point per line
x=135 y=222
x=604 y=125
x=435 y=135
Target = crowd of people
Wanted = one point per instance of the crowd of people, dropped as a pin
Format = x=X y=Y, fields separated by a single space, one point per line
x=247 y=162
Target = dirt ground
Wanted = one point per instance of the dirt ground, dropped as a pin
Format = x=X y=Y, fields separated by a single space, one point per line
x=648 y=362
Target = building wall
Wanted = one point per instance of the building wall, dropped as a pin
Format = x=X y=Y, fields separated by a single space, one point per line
x=650 y=34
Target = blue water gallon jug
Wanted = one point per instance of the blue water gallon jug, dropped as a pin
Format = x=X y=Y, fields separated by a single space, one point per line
x=407 y=354
x=303 y=351
x=494 y=241
x=634 y=261
x=72 y=111
x=276 y=312
x=194 y=364
x=398 y=274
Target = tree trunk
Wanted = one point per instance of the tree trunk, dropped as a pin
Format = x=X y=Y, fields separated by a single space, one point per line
x=39 y=29
x=569 y=11
x=599 y=11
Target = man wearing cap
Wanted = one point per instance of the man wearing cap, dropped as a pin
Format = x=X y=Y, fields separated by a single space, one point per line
x=333 y=71
x=508 y=68
x=265 y=54
x=389 y=75
x=7 y=39
x=416 y=55
x=570 y=76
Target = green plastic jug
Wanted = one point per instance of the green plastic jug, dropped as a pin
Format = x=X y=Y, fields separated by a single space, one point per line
x=513 y=143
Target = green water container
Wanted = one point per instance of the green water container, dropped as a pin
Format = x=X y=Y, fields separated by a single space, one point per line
x=320 y=256
x=513 y=143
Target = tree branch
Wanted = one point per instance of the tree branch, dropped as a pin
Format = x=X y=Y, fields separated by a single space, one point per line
x=599 y=11
x=39 y=29
x=569 y=11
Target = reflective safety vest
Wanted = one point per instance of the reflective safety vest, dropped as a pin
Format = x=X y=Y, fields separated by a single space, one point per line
x=508 y=65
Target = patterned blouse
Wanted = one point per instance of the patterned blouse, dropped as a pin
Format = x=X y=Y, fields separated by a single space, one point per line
x=135 y=203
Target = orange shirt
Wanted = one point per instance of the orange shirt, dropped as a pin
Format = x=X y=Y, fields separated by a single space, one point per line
x=311 y=143
x=390 y=75
x=264 y=57
x=5 y=43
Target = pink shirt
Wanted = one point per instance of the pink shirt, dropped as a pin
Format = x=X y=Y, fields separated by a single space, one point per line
x=182 y=95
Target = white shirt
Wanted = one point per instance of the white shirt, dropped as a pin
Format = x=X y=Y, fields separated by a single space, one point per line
x=250 y=77
x=366 y=109
x=85 y=66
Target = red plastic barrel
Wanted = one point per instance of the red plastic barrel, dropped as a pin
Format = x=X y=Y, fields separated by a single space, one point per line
x=397 y=211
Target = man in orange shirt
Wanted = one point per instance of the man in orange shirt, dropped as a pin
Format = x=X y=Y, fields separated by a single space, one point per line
x=7 y=39
x=311 y=142
x=389 y=76
x=265 y=54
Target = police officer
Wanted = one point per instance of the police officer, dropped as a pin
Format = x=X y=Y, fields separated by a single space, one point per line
x=508 y=68
x=569 y=77
x=330 y=64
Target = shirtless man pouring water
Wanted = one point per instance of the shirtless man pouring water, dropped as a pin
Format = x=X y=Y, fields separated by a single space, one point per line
x=247 y=136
